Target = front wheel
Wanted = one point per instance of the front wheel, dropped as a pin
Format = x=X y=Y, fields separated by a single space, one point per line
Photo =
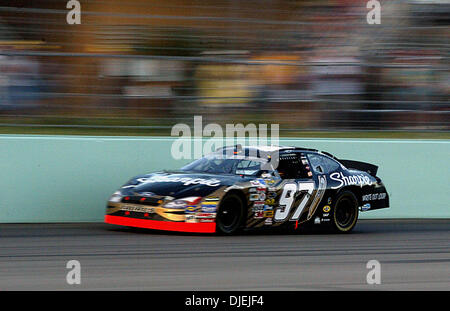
x=230 y=215
x=345 y=212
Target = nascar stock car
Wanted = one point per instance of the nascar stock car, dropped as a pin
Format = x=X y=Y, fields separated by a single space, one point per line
x=236 y=188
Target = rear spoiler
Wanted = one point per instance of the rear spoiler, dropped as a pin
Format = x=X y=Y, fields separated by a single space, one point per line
x=362 y=166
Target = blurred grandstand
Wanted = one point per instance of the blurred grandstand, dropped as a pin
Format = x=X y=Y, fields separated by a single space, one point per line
x=142 y=66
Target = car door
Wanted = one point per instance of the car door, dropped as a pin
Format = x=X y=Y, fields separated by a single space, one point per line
x=301 y=193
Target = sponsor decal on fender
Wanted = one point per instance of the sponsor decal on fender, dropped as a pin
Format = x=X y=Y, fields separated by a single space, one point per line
x=374 y=196
x=137 y=208
x=190 y=218
x=268 y=208
x=206 y=217
x=213 y=199
x=191 y=208
x=259 y=183
x=254 y=197
x=186 y=181
x=270 y=202
x=365 y=207
x=268 y=221
x=258 y=205
x=210 y=205
x=326 y=209
x=268 y=213
x=343 y=180
x=259 y=215
x=209 y=208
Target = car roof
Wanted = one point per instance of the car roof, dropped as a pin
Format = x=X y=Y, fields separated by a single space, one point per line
x=264 y=150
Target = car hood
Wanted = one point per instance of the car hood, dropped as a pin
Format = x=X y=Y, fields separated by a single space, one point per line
x=179 y=184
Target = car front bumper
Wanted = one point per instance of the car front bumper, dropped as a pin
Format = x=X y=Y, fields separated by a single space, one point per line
x=206 y=227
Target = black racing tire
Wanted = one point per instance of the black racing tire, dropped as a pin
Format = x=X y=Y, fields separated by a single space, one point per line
x=345 y=212
x=230 y=216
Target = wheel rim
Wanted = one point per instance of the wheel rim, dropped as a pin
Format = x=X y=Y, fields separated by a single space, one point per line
x=229 y=214
x=345 y=212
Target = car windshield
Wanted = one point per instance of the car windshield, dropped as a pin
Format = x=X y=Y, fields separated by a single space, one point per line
x=220 y=164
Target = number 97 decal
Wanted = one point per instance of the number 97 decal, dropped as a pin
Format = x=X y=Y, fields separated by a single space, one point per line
x=288 y=195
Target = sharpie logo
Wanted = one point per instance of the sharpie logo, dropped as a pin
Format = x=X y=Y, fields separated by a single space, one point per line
x=184 y=180
x=360 y=180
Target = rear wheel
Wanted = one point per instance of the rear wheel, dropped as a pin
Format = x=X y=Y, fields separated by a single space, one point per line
x=345 y=212
x=230 y=215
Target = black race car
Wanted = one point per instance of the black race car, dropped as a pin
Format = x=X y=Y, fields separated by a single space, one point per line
x=237 y=188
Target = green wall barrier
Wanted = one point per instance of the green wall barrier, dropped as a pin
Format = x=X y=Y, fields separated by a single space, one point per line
x=69 y=178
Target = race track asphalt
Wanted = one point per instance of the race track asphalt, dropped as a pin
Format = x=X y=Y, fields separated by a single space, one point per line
x=413 y=255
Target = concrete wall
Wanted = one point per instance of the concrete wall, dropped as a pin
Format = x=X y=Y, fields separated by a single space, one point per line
x=69 y=178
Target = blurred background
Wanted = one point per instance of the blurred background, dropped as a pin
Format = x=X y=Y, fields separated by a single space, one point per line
x=138 y=67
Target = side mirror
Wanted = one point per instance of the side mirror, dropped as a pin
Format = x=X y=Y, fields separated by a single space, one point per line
x=319 y=169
